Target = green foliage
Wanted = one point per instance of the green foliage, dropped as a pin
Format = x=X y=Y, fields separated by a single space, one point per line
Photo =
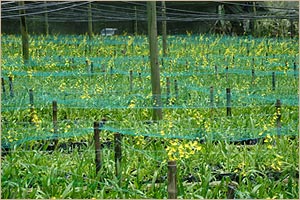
x=213 y=169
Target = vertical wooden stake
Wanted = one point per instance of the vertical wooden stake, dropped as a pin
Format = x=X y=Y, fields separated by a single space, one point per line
x=216 y=70
x=226 y=70
x=176 y=89
x=111 y=71
x=140 y=79
x=164 y=28
x=90 y=21
x=172 y=186
x=97 y=147
x=228 y=104
x=135 y=22
x=3 y=88
x=155 y=71
x=253 y=76
x=168 y=91
x=131 y=80
x=87 y=66
x=24 y=33
x=212 y=99
x=31 y=105
x=273 y=80
x=11 y=88
x=54 y=117
x=278 y=113
x=295 y=70
x=118 y=156
x=92 y=68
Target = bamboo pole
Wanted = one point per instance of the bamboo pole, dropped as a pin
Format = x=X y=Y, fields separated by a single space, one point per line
x=155 y=72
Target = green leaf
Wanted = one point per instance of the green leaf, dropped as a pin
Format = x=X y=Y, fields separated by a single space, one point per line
x=68 y=190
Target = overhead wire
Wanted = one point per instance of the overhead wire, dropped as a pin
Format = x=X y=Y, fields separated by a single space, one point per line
x=110 y=15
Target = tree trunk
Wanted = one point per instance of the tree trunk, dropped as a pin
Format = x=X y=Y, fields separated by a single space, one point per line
x=155 y=73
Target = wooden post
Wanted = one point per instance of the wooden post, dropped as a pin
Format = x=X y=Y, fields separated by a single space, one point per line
x=228 y=103
x=172 y=186
x=31 y=105
x=90 y=22
x=295 y=70
x=92 y=68
x=46 y=19
x=155 y=72
x=97 y=147
x=131 y=80
x=54 y=118
x=253 y=76
x=140 y=79
x=273 y=80
x=135 y=22
x=118 y=157
x=87 y=66
x=211 y=99
x=278 y=113
x=3 y=87
x=164 y=28
x=25 y=40
x=176 y=89
x=11 y=88
x=168 y=91
x=111 y=71
x=226 y=70
x=216 y=70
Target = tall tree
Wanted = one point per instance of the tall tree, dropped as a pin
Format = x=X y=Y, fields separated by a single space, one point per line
x=155 y=72
x=24 y=33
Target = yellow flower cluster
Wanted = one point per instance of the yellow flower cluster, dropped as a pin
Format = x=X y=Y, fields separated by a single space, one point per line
x=182 y=149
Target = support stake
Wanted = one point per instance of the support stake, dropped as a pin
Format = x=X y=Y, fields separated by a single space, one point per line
x=172 y=187
x=278 y=113
x=212 y=99
x=131 y=80
x=3 y=88
x=228 y=103
x=168 y=90
x=273 y=80
x=97 y=147
x=176 y=89
x=54 y=116
x=31 y=105
x=118 y=157
x=11 y=88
